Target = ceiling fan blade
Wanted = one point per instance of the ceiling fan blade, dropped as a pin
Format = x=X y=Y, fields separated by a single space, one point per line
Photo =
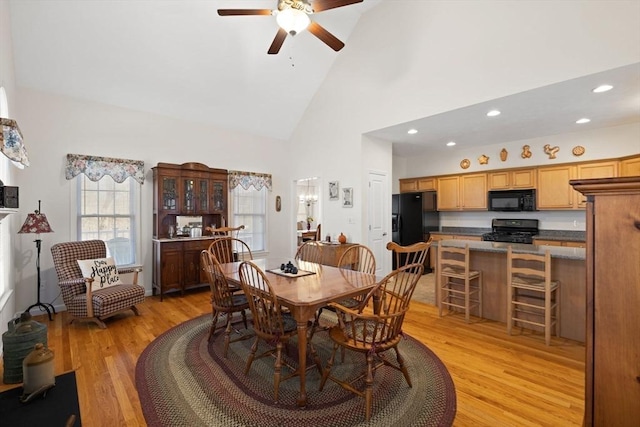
x=234 y=12
x=332 y=41
x=320 y=5
x=277 y=42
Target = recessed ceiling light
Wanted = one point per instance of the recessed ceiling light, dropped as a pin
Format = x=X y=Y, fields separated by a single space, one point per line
x=602 y=88
x=450 y=144
x=582 y=121
x=493 y=113
x=412 y=131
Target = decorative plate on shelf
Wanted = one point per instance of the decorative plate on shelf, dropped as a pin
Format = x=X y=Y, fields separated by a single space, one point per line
x=578 y=150
x=465 y=163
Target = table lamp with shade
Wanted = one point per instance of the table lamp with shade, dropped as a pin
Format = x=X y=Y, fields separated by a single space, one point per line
x=37 y=223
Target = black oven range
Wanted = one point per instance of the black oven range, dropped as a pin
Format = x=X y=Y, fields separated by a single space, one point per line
x=512 y=230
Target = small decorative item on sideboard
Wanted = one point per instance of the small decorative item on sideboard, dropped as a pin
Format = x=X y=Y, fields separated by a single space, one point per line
x=342 y=238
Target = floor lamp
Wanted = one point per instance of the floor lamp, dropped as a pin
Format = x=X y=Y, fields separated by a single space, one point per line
x=37 y=223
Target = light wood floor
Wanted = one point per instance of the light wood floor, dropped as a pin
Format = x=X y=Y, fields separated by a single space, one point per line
x=500 y=380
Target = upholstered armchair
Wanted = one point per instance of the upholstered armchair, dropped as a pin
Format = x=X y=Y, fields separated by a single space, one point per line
x=83 y=302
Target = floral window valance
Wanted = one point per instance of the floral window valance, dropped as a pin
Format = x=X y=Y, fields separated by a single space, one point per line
x=95 y=168
x=247 y=179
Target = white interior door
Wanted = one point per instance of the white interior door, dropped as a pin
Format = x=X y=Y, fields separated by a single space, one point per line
x=379 y=221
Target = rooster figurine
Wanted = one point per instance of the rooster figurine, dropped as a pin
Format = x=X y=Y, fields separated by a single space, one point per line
x=551 y=151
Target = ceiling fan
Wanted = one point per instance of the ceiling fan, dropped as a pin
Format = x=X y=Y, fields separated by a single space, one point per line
x=293 y=17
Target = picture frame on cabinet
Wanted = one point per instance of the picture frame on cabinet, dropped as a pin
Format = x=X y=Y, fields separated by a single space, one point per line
x=334 y=190
x=347 y=197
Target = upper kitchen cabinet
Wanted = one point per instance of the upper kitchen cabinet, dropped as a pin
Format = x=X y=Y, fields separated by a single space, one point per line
x=554 y=191
x=413 y=185
x=512 y=179
x=629 y=166
x=190 y=189
x=593 y=170
x=462 y=192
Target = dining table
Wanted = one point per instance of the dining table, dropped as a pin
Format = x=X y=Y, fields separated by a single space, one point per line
x=313 y=287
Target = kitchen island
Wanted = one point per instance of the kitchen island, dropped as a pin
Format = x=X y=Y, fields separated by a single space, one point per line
x=567 y=266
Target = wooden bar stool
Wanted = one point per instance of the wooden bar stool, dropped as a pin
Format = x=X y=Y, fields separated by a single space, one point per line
x=532 y=297
x=458 y=286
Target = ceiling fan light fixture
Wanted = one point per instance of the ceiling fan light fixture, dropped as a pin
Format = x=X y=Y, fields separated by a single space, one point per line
x=292 y=20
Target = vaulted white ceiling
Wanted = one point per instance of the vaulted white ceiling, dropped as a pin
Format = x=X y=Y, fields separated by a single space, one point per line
x=177 y=58
x=180 y=59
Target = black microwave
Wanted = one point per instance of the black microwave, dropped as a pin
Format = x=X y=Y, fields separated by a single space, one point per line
x=512 y=200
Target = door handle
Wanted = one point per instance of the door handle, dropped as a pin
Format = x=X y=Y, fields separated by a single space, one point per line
x=384 y=234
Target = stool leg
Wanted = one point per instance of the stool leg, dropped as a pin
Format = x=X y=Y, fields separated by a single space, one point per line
x=466 y=298
x=480 y=294
x=547 y=316
x=509 y=307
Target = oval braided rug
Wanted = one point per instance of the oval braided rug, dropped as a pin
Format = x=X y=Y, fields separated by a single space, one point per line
x=183 y=380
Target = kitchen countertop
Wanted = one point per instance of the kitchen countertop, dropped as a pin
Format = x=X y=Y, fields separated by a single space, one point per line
x=556 y=251
x=559 y=235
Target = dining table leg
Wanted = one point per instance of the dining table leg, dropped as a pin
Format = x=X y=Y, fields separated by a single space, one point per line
x=302 y=361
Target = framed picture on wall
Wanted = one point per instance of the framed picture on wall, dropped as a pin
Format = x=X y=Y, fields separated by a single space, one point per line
x=347 y=197
x=334 y=190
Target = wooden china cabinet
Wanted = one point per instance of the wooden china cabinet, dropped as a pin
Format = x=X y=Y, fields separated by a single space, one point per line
x=612 y=388
x=189 y=189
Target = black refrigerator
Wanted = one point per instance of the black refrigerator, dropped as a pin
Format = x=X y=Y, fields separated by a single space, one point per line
x=414 y=216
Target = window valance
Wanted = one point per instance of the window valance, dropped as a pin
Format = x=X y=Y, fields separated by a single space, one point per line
x=95 y=168
x=247 y=179
x=11 y=143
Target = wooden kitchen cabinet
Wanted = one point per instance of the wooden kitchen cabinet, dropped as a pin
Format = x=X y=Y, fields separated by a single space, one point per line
x=566 y=243
x=554 y=191
x=412 y=185
x=612 y=387
x=473 y=191
x=177 y=265
x=629 y=166
x=409 y=185
x=448 y=193
x=167 y=271
x=427 y=184
x=511 y=179
x=594 y=170
x=190 y=189
x=462 y=192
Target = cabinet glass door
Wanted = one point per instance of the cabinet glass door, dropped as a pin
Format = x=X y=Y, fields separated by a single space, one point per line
x=189 y=195
x=203 y=195
x=169 y=194
x=218 y=196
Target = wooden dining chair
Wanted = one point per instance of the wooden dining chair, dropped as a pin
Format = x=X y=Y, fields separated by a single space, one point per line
x=224 y=300
x=410 y=254
x=372 y=334
x=230 y=249
x=226 y=231
x=310 y=251
x=271 y=325
x=355 y=260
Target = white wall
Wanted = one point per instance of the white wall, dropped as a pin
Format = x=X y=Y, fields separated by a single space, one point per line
x=11 y=223
x=411 y=59
x=602 y=143
x=55 y=126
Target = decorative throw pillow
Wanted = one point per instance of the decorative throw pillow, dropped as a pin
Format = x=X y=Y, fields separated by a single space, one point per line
x=103 y=271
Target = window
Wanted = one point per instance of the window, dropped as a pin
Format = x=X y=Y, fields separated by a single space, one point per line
x=108 y=211
x=249 y=208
